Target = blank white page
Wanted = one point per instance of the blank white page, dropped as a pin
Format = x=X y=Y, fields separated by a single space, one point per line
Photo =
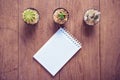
x=57 y=51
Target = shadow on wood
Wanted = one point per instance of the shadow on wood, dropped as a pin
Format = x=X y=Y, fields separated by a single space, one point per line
x=88 y=30
x=29 y=30
x=28 y=33
x=57 y=26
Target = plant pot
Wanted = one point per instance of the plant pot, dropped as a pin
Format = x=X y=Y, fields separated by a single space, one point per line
x=30 y=16
x=60 y=16
x=92 y=17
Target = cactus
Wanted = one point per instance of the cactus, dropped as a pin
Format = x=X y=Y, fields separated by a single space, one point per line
x=60 y=16
x=92 y=17
x=30 y=16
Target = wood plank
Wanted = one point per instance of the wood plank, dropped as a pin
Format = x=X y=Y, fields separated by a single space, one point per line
x=110 y=39
x=9 y=40
x=32 y=38
x=85 y=64
x=90 y=51
x=73 y=69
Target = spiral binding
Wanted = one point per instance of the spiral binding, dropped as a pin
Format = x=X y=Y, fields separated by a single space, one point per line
x=71 y=37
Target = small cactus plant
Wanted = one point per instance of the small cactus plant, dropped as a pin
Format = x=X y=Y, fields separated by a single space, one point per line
x=60 y=16
x=30 y=16
x=92 y=17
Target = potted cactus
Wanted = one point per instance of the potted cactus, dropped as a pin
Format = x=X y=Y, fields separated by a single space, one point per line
x=91 y=17
x=60 y=16
x=30 y=16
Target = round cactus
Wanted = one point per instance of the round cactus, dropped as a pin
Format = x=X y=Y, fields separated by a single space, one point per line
x=30 y=16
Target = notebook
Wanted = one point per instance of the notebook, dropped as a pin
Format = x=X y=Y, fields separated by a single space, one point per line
x=57 y=51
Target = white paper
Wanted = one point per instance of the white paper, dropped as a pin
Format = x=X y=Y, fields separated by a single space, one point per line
x=57 y=51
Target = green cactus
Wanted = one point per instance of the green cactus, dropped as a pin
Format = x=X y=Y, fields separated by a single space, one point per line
x=30 y=16
x=61 y=15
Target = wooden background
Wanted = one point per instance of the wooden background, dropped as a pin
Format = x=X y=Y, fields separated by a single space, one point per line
x=99 y=58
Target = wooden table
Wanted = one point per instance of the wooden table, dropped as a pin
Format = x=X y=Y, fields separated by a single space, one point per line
x=99 y=58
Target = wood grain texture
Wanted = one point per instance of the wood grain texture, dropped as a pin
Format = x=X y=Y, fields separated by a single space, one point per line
x=99 y=58
x=32 y=38
x=8 y=40
x=110 y=39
